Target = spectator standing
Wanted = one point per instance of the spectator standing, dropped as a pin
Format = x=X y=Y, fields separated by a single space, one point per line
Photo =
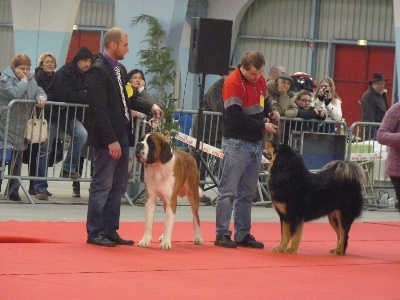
x=389 y=134
x=305 y=111
x=43 y=74
x=373 y=101
x=245 y=122
x=280 y=97
x=109 y=123
x=328 y=100
x=17 y=82
x=279 y=94
x=136 y=87
x=68 y=85
x=213 y=126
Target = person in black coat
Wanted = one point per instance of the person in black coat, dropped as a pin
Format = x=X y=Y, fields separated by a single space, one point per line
x=109 y=123
x=68 y=85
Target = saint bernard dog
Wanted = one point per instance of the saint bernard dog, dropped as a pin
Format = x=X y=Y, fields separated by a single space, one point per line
x=167 y=175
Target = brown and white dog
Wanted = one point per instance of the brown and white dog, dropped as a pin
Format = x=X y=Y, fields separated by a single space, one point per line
x=168 y=174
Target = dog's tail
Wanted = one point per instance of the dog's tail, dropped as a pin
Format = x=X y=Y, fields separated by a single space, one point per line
x=346 y=170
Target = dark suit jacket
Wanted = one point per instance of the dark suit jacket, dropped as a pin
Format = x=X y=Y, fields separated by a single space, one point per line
x=107 y=122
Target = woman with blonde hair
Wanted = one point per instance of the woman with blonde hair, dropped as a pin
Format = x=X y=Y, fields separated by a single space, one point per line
x=45 y=71
x=327 y=99
x=43 y=75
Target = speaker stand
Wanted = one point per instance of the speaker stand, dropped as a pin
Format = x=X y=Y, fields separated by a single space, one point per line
x=199 y=135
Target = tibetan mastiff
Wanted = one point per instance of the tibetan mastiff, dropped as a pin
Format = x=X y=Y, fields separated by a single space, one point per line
x=300 y=196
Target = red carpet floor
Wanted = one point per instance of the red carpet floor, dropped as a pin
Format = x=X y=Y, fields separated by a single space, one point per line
x=51 y=260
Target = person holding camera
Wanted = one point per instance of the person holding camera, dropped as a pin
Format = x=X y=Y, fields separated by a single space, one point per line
x=328 y=100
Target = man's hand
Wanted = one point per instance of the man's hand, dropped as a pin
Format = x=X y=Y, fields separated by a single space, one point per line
x=270 y=128
x=157 y=112
x=115 y=150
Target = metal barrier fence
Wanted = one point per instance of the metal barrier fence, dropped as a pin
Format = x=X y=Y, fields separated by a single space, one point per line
x=317 y=141
x=44 y=160
x=364 y=149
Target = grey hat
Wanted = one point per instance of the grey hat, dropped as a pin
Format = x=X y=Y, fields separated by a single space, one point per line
x=285 y=76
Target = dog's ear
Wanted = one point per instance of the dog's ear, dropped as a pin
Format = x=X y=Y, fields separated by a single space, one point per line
x=166 y=152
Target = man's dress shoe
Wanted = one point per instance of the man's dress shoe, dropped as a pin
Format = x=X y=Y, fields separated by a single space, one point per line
x=119 y=240
x=101 y=240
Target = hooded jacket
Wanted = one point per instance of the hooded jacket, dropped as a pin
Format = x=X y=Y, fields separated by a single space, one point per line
x=279 y=102
x=12 y=88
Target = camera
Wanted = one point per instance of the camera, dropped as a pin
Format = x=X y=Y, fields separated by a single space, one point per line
x=326 y=91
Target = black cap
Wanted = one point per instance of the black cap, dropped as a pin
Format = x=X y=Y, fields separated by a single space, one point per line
x=83 y=53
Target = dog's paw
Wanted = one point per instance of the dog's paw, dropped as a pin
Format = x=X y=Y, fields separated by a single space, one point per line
x=144 y=243
x=337 y=251
x=198 y=241
x=290 y=251
x=278 y=249
x=165 y=245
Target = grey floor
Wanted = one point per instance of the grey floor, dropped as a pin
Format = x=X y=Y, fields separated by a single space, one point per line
x=62 y=207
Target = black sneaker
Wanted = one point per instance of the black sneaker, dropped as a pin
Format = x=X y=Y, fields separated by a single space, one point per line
x=250 y=241
x=206 y=200
x=14 y=197
x=76 y=189
x=224 y=241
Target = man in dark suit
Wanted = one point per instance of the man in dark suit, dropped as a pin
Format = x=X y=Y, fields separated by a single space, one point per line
x=108 y=127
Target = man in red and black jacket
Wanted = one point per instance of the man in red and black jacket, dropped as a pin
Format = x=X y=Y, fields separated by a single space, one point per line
x=246 y=114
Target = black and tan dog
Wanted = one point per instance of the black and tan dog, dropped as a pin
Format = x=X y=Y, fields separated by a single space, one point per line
x=300 y=196
x=168 y=174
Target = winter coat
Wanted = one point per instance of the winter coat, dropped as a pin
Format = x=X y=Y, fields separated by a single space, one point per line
x=332 y=111
x=12 y=88
x=68 y=85
x=279 y=102
x=389 y=134
x=373 y=106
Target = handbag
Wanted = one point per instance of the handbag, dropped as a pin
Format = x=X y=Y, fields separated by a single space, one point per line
x=36 y=128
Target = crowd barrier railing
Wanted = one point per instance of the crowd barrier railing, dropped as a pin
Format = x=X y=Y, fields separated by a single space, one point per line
x=62 y=128
x=365 y=150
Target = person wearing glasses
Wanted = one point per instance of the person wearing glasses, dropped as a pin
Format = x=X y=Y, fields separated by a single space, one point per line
x=329 y=101
x=17 y=82
x=43 y=74
x=306 y=110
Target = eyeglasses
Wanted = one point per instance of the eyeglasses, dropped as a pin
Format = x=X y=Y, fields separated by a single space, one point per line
x=24 y=69
x=305 y=100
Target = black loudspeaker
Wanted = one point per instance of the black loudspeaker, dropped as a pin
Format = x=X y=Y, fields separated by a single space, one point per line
x=210 y=45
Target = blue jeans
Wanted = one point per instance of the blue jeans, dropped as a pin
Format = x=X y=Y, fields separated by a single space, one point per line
x=78 y=135
x=241 y=166
x=109 y=182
